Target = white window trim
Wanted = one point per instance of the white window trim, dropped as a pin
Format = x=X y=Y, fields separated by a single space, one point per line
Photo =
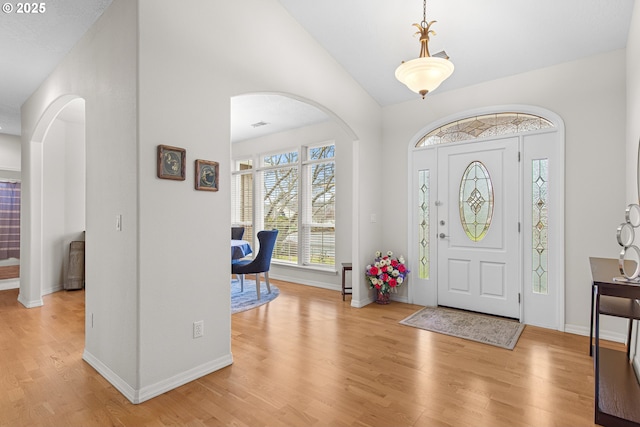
x=258 y=167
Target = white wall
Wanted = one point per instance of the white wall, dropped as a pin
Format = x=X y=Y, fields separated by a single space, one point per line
x=594 y=117
x=191 y=64
x=154 y=72
x=315 y=134
x=63 y=199
x=9 y=153
x=148 y=283
x=633 y=135
x=53 y=210
x=102 y=70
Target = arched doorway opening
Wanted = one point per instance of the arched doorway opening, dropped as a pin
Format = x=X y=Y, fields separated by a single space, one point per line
x=309 y=249
x=54 y=204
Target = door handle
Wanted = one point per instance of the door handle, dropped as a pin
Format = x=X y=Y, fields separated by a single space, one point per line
x=442 y=235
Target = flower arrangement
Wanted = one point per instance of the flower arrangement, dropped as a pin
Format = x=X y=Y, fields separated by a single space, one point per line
x=386 y=273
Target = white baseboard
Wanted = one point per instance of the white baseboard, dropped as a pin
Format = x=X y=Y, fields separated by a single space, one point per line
x=163 y=386
x=30 y=303
x=121 y=385
x=358 y=304
x=56 y=288
x=605 y=335
x=9 y=284
x=636 y=366
x=354 y=303
x=300 y=281
x=576 y=330
x=149 y=392
x=361 y=303
x=397 y=298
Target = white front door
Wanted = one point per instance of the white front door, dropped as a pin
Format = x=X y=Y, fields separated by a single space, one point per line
x=478 y=227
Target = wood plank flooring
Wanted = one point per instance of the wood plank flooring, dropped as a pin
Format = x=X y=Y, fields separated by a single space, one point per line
x=305 y=359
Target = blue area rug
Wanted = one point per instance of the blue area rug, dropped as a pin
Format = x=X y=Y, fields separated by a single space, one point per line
x=243 y=301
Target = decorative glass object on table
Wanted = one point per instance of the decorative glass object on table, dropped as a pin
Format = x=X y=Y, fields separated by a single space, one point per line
x=625 y=234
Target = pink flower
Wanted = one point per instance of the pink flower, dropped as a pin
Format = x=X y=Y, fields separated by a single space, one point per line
x=386 y=272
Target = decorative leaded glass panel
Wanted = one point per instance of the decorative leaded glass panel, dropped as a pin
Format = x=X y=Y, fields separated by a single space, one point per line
x=476 y=201
x=484 y=126
x=540 y=221
x=423 y=224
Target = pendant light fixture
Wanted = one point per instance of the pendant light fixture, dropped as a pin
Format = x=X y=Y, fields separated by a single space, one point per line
x=424 y=74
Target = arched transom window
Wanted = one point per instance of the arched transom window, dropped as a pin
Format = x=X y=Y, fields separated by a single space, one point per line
x=486 y=125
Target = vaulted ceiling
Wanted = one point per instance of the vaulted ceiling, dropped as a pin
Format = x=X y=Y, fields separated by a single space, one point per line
x=486 y=39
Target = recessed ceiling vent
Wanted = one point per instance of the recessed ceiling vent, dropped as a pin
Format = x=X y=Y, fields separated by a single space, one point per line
x=259 y=124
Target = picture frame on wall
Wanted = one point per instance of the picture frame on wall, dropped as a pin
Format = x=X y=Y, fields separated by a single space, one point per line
x=207 y=173
x=171 y=162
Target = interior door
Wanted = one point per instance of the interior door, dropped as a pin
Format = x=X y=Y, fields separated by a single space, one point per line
x=478 y=227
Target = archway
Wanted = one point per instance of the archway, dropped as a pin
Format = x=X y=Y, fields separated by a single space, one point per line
x=53 y=213
x=328 y=129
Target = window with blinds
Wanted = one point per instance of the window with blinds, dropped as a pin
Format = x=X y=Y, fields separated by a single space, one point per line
x=296 y=196
x=319 y=208
x=9 y=220
x=242 y=197
x=280 y=182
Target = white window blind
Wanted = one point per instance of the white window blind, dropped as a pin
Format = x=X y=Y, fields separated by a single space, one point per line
x=280 y=203
x=296 y=195
x=242 y=201
x=318 y=224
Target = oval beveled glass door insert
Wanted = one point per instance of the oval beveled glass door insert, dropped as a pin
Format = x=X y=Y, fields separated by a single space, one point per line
x=476 y=201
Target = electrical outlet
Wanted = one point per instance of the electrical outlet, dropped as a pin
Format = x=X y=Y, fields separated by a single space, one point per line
x=198 y=329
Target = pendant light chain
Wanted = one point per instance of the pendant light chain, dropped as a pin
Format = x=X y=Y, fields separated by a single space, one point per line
x=424 y=13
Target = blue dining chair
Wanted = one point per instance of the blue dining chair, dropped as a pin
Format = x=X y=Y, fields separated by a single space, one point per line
x=237 y=233
x=261 y=263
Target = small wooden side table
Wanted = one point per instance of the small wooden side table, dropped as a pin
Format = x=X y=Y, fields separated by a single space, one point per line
x=346 y=266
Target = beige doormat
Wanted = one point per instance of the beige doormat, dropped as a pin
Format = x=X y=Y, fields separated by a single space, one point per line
x=482 y=328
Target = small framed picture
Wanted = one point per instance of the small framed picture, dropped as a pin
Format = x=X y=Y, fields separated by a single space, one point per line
x=171 y=162
x=206 y=175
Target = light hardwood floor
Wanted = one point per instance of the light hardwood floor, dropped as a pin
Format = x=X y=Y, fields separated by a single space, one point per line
x=305 y=359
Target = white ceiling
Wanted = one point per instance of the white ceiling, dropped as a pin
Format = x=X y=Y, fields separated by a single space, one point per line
x=486 y=40
x=262 y=114
x=31 y=45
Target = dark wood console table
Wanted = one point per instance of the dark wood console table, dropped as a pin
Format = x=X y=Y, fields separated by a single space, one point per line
x=617 y=392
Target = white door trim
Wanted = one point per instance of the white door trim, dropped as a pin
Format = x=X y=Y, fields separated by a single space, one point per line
x=556 y=199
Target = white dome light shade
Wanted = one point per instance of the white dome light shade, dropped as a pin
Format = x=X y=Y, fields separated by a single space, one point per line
x=423 y=75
